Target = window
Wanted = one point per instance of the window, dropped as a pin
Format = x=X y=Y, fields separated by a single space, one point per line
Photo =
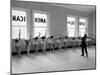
x=71 y=25
x=40 y=24
x=19 y=24
x=82 y=26
x=76 y=27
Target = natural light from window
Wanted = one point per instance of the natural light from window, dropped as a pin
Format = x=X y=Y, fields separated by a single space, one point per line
x=82 y=26
x=71 y=26
x=40 y=24
x=19 y=24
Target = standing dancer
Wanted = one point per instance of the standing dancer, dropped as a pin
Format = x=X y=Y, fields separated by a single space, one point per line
x=84 y=45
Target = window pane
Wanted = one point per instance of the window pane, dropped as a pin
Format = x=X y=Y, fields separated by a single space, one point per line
x=71 y=23
x=82 y=26
x=71 y=32
x=39 y=30
x=40 y=24
x=15 y=32
x=19 y=18
x=40 y=19
x=82 y=23
x=19 y=22
x=82 y=32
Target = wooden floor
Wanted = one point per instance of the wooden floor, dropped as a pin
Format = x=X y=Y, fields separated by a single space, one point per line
x=63 y=59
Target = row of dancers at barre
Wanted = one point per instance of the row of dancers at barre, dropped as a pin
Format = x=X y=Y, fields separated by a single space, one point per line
x=50 y=40
x=35 y=41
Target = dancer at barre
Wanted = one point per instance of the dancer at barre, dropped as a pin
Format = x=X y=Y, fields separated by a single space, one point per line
x=33 y=42
x=43 y=43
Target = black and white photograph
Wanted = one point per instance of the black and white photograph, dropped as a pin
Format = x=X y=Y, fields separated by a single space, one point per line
x=52 y=37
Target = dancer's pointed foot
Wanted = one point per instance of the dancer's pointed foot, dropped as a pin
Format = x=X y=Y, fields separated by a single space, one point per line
x=82 y=55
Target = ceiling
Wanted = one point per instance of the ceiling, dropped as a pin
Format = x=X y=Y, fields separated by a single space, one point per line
x=84 y=8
